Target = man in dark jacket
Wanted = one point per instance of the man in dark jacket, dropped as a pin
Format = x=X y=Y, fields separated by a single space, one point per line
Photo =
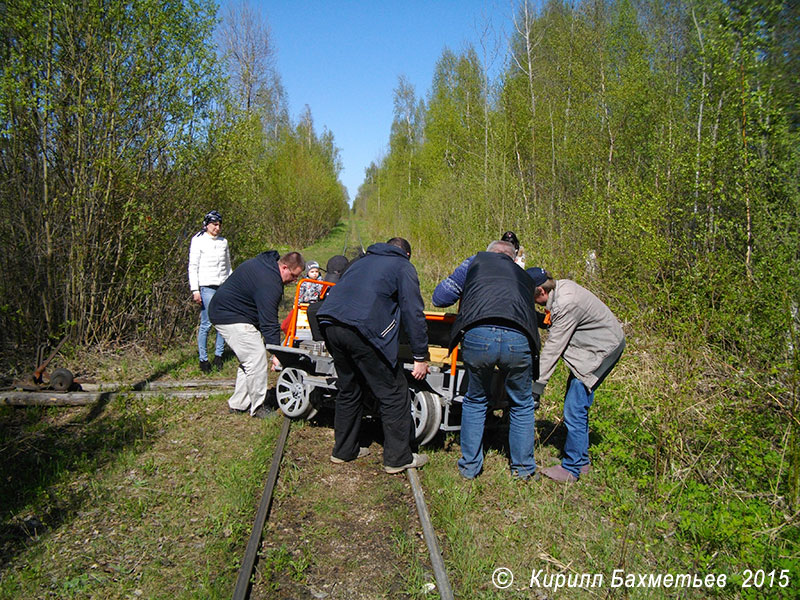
x=245 y=311
x=360 y=319
x=497 y=327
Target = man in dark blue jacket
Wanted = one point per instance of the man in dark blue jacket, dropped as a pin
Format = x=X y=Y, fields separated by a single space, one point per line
x=497 y=327
x=245 y=311
x=361 y=319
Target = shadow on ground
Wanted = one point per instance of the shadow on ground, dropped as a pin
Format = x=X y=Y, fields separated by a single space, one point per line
x=40 y=446
x=548 y=433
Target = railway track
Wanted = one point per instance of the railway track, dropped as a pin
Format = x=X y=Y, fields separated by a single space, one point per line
x=293 y=387
x=244 y=582
x=353 y=245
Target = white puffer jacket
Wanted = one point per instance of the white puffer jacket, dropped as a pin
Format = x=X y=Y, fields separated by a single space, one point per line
x=209 y=261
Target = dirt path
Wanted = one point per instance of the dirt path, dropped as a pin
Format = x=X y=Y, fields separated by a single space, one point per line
x=338 y=531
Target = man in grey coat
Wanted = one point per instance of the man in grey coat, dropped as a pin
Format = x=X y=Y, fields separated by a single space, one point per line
x=588 y=337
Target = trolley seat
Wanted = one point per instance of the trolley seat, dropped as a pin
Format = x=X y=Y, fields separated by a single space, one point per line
x=299 y=328
x=439 y=325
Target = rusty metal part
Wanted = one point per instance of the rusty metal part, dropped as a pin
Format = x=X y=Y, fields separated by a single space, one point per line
x=61 y=380
x=37 y=374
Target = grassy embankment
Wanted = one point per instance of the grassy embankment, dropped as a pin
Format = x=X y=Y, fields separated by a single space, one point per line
x=154 y=499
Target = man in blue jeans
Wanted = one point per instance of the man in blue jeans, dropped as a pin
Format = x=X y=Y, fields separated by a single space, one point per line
x=497 y=328
x=587 y=336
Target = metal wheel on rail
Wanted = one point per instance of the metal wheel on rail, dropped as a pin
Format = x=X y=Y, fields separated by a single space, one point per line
x=427 y=414
x=294 y=398
x=61 y=380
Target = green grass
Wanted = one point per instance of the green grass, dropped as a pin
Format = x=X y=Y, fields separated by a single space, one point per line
x=145 y=500
x=715 y=506
x=155 y=498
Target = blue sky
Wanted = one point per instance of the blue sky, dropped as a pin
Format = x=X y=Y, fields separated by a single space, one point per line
x=343 y=59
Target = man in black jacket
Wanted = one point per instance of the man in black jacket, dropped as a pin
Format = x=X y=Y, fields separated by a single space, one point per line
x=360 y=319
x=497 y=327
x=245 y=311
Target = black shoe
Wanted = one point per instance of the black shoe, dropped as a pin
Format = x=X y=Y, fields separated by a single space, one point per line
x=262 y=412
x=205 y=366
x=218 y=362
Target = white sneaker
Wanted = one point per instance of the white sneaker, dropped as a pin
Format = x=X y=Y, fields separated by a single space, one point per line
x=417 y=461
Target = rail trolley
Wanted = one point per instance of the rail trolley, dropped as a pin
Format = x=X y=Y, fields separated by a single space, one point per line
x=307 y=380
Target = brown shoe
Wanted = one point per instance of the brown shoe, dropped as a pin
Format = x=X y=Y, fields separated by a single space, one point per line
x=559 y=473
x=585 y=469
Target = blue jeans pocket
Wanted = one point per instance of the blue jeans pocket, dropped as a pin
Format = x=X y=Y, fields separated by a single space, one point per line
x=519 y=348
x=473 y=346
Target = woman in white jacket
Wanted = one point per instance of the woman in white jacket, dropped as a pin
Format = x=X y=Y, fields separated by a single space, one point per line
x=209 y=266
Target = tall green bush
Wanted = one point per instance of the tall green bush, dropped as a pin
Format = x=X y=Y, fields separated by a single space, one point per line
x=648 y=150
x=117 y=134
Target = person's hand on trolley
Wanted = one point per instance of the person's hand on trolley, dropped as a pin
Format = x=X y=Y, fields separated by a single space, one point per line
x=420 y=370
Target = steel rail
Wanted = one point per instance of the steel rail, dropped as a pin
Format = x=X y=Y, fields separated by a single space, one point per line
x=358 y=235
x=439 y=572
x=347 y=236
x=157 y=385
x=352 y=228
x=242 y=589
x=14 y=398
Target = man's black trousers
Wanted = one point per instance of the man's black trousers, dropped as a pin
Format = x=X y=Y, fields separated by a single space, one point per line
x=360 y=367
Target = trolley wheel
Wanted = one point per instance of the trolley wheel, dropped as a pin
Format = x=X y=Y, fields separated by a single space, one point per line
x=292 y=395
x=61 y=380
x=427 y=413
x=312 y=409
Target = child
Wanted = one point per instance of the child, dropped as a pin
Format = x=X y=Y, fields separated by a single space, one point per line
x=309 y=292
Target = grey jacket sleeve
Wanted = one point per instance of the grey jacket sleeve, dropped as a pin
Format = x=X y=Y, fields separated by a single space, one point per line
x=563 y=326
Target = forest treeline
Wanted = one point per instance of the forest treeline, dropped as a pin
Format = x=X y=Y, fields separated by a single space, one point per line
x=121 y=125
x=649 y=146
x=650 y=151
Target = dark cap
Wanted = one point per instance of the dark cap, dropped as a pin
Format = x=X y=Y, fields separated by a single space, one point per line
x=335 y=267
x=538 y=275
x=511 y=238
x=212 y=217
